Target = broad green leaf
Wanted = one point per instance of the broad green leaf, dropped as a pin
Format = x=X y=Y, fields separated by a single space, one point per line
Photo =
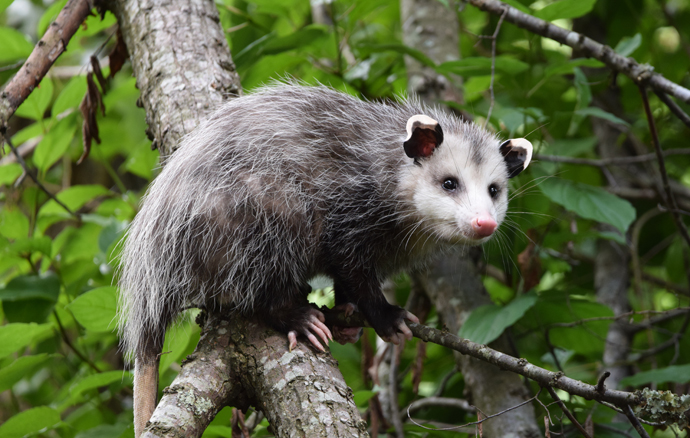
x=598 y=112
x=676 y=373
x=176 y=341
x=480 y=66
x=9 y=173
x=31 y=131
x=568 y=66
x=298 y=39
x=13 y=223
x=30 y=421
x=565 y=9
x=399 y=48
x=571 y=147
x=589 y=202
x=19 y=335
x=54 y=144
x=74 y=197
x=96 y=309
x=97 y=380
x=361 y=397
x=49 y=16
x=71 y=96
x=37 y=103
x=23 y=366
x=15 y=45
x=31 y=286
x=486 y=323
x=627 y=45
x=4 y=4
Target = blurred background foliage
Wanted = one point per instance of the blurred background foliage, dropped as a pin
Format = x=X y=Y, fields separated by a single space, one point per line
x=61 y=373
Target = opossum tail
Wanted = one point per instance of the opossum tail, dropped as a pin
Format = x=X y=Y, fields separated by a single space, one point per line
x=145 y=389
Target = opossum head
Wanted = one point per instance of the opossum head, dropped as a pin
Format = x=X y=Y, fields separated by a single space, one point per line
x=457 y=182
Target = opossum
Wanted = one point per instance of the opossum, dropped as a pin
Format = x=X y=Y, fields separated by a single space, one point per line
x=290 y=182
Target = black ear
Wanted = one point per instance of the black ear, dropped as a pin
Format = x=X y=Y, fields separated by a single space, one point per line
x=424 y=135
x=517 y=154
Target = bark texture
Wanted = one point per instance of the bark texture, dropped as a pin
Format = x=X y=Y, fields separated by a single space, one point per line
x=182 y=63
x=240 y=362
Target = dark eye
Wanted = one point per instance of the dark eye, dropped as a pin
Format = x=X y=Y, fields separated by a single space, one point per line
x=450 y=184
x=493 y=190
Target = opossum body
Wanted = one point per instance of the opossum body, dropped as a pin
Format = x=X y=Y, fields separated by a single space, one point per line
x=290 y=182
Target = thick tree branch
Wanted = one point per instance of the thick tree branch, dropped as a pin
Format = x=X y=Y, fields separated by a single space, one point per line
x=639 y=73
x=48 y=49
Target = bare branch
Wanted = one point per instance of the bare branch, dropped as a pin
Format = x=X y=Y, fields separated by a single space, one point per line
x=567 y=413
x=639 y=73
x=46 y=52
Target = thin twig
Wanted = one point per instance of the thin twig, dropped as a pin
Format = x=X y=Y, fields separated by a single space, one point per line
x=670 y=199
x=567 y=412
x=609 y=161
x=12 y=66
x=393 y=391
x=615 y=430
x=27 y=171
x=675 y=109
x=493 y=65
x=65 y=338
x=475 y=422
x=627 y=410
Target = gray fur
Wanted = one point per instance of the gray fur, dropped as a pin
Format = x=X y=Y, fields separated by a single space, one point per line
x=241 y=212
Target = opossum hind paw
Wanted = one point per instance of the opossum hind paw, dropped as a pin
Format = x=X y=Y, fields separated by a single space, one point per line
x=312 y=326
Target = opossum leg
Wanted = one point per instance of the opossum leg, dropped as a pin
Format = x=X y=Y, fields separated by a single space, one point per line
x=387 y=320
x=341 y=334
x=300 y=320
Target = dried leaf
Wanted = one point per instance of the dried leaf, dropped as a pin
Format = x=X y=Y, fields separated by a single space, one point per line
x=119 y=55
x=96 y=68
x=88 y=107
x=589 y=425
x=547 y=432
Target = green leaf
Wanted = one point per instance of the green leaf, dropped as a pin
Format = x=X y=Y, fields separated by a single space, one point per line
x=29 y=422
x=71 y=96
x=25 y=365
x=31 y=286
x=74 y=197
x=9 y=173
x=37 y=103
x=97 y=380
x=54 y=144
x=486 y=323
x=361 y=397
x=96 y=309
x=19 y=335
x=598 y=112
x=176 y=341
x=627 y=45
x=15 y=45
x=480 y=66
x=49 y=16
x=300 y=38
x=565 y=9
x=399 y=48
x=676 y=373
x=4 y=4
x=589 y=202
x=13 y=223
x=571 y=147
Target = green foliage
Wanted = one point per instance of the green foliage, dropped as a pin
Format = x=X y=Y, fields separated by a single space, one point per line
x=60 y=369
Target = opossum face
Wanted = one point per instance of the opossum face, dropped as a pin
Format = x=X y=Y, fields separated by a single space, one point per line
x=459 y=180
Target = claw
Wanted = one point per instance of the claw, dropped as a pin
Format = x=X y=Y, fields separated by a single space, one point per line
x=292 y=339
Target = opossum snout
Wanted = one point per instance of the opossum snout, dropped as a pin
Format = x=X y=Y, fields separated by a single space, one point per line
x=483 y=225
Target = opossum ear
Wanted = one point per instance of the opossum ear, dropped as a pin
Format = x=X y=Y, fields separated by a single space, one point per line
x=517 y=154
x=424 y=135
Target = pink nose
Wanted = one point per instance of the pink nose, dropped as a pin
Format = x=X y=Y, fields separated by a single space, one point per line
x=484 y=226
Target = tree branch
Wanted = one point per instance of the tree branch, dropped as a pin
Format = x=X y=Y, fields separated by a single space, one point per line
x=639 y=73
x=46 y=52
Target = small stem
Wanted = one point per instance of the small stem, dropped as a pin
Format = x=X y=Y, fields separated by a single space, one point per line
x=71 y=346
x=567 y=412
x=627 y=410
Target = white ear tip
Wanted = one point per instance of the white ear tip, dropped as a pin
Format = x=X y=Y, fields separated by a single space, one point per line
x=419 y=121
x=527 y=146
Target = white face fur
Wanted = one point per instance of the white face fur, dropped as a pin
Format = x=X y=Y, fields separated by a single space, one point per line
x=460 y=191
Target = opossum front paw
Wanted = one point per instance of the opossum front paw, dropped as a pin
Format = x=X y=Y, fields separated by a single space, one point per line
x=390 y=325
x=346 y=335
x=311 y=325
